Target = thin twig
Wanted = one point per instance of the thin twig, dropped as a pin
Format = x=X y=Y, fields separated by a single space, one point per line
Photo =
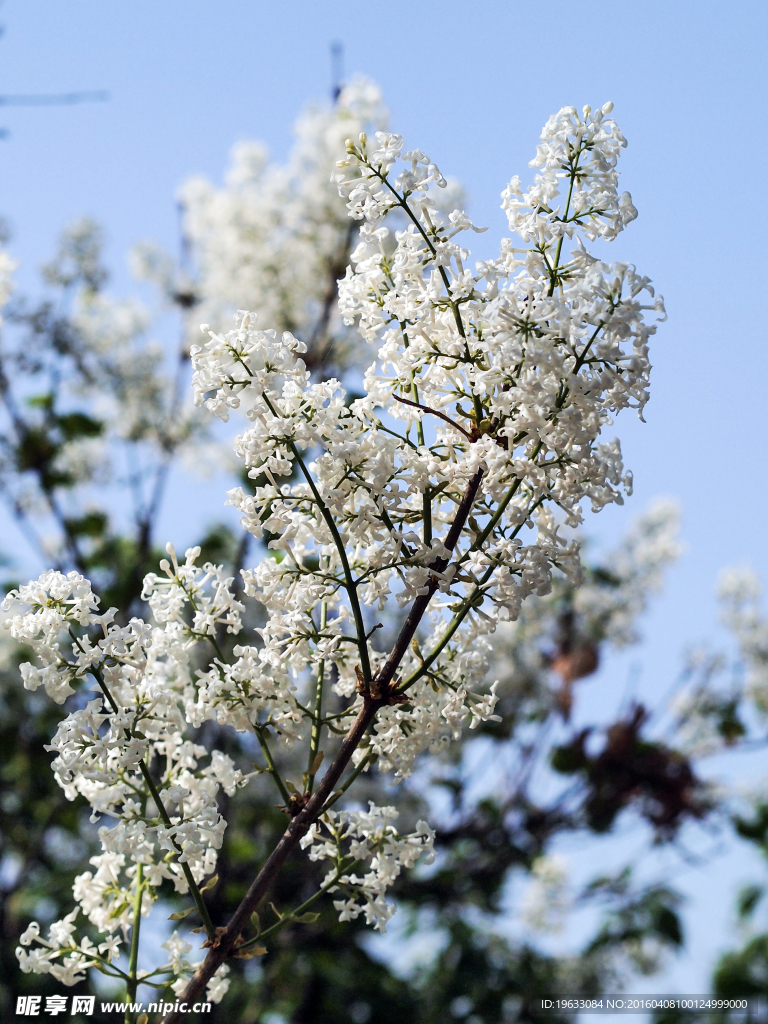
x=434 y=412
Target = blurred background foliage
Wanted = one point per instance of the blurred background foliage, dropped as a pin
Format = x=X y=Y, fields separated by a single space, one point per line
x=97 y=424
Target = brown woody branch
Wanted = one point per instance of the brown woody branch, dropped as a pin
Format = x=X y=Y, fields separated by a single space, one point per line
x=225 y=943
x=434 y=412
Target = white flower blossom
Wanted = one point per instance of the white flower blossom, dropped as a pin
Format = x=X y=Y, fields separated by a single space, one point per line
x=275 y=238
x=741 y=596
x=482 y=415
x=545 y=900
x=352 y=838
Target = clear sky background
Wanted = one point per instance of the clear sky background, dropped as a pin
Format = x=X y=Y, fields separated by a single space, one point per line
x=471 y=84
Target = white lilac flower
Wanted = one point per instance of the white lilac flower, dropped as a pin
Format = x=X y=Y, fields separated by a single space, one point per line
x=483 y=414
x=366 y=839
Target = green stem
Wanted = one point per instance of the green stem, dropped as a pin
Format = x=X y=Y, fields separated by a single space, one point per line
x=197 y=896
x=403 y=203
x=482 y=536
x=193 y=888
x=426 y=504
x=102 y=965
x=357 y=612
x=559 y=404
x=456 y=621
x=559 y=249
x=271 y=766
x=302 y=908
x=133 y=983
x=394 y=433
x=353 y=775
x=460 y=615
x=317 y=724
x=391 y=527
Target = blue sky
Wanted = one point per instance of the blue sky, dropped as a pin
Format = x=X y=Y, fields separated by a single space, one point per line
x=471 y=84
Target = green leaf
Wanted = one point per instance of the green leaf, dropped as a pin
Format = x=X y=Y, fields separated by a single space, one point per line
x=35 y=450
x=77 y=424
x=40 y=401
x=92 y=524
x=210 y=884
x=316 y=763
x=309 y=918
x=256 y=922
x=276 y=912
x=570 y=757
x=748 y=899
x=181 y=914
x=250 y=952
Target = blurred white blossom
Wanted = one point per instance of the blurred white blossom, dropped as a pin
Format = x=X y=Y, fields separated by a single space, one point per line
x=546 y=899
